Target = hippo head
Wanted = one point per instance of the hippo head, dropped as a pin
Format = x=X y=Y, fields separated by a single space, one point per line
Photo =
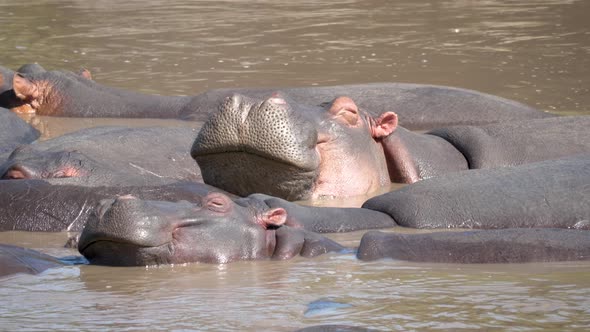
x=26 y=163
x=36 y=90
x=129 y=231
x=277 y=147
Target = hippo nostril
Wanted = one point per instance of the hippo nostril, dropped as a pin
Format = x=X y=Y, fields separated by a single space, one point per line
x=277 y=100
x=126 y=197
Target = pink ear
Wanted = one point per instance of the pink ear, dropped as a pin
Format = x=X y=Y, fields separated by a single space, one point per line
x=85 y=73
x=384 y=125
x=274 y=217
x=23 y=88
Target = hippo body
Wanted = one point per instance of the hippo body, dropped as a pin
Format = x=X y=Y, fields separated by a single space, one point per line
x=39 y=206
x=14 y=132
x=62 y=93
x=280 y=147
x=456 y=148
x=108 y=156
x=513 y=245
x=547 y=194
x=419 y=106
x=15 y=260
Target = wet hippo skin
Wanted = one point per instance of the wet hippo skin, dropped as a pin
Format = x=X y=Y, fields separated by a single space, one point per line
x=553 y=193
x=513 y=245
x=13 y=133
x=108 y=156
x=36 y=205
x=286 y=149
x=215 y=230
x=15 y=260
x=64 y=93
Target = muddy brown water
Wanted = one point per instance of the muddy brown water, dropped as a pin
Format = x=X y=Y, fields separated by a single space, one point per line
x=536 y=52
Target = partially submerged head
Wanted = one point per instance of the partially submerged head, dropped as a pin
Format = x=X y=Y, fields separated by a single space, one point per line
x=129 y=231
x=34 y=90
x=281 y=148
x=27 y=163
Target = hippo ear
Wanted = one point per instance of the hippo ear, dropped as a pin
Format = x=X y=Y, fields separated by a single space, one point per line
x=274 y=217
x=384 y=125
x=85 y=73
x=24 y=89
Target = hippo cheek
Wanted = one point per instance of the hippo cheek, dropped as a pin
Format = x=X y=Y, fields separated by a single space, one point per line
x=349 y=170
x=195 y=244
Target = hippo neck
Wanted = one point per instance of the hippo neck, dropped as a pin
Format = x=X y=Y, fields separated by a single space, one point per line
x=133 y=104
x=412 y=156
x=107 y=101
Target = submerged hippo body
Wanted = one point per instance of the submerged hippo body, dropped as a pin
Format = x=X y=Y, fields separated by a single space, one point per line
x=36 y=205
x=14 y=132
x=15 y=260
x=108 y=156
x=513 y=245
x=282 y=148
x=420 y=106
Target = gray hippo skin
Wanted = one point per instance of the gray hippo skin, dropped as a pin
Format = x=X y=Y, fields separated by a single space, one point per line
x=14 y=132
x=282 y=148
x=547 y=194
x=36 y=205
x=129 y=231
x=513 y=245
x=108 y=156
x=63 y=93
x=15 y=260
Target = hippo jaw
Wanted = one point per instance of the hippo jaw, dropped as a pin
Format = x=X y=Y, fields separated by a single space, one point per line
x=128 y=232
x=266 y=140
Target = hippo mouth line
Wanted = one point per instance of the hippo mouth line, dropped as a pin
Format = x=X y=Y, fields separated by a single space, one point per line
x=260 y=155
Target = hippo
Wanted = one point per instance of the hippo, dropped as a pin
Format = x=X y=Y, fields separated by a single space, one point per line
x=40 y=206
x=14 y=132
x=108 y=156
x=60 y=93
x=127 y=231
x=512 y=245
x=282 y=148
x=15 y=260
x=11 y=99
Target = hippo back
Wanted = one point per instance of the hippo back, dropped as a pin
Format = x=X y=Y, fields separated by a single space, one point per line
x=14 y=132
x=548 y=194
x=21 y=260
x=520 y=142
x=419 y=106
